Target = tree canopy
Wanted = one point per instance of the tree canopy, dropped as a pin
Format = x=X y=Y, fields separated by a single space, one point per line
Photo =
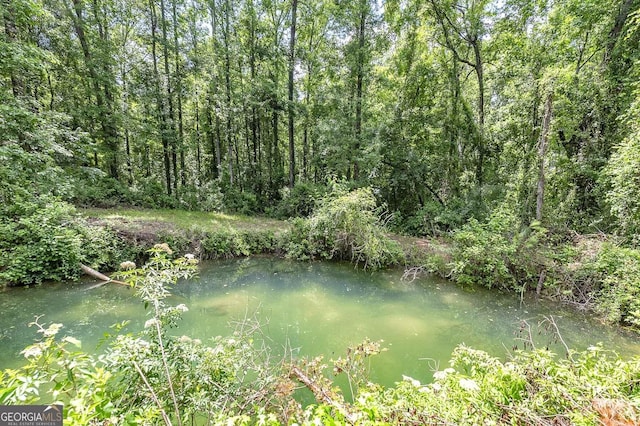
x=445 y=107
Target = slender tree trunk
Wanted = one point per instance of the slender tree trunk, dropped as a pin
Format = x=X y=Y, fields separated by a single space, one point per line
x=292 y=57
x=253 y=125
x=359 y=88
x=216 y=151
x=198 y=149
x=227 y=81
x=125 y=113
x=305 y=131
x=212 y=142
x=178 y=71
x=170 y=120
x=162 y=112
x=479 y=68
x=196 y=72
x=542 y=150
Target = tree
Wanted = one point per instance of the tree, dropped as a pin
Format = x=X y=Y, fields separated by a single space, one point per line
x=292 y=63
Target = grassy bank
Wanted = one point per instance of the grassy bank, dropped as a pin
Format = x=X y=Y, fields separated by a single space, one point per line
x=590 y=272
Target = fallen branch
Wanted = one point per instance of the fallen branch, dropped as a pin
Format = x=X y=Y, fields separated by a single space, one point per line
x=95 y=274
x=321 y=394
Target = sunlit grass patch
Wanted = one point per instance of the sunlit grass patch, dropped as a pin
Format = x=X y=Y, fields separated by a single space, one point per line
x=187 y=220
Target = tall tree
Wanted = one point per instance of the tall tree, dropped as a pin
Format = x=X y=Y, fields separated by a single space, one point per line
x=463 y=30
x=292 y=63
x=161 y=110
x=101 y=80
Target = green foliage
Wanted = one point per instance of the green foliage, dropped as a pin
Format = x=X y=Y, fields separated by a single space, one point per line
x=498 y=252
x=207 y=197
x=434 y=218
x=95 y=189
x=345 y=226
x=532 y=388
x=230 y=243
x=47 y=242
x=242 y=202
x=301 y=201
x=623 y=172
x=617 y=270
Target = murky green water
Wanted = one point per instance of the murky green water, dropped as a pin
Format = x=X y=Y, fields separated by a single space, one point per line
x=316 y=308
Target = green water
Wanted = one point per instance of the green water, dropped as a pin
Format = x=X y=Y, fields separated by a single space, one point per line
x=315 y=308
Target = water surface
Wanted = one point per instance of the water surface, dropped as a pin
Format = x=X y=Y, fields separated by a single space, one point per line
x=315 y=308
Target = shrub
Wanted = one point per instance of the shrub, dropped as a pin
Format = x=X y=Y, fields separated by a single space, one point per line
x=498 y=253
x=433 y=218
x=300 y=201
x=94 y=188
x=48 y=242
x=591 y=387
x=230 y=243
x=241 y=202
x=618 y=272
x=206 y=197
x=345 y=226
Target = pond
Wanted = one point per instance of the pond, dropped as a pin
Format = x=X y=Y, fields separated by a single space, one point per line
x=316 y=308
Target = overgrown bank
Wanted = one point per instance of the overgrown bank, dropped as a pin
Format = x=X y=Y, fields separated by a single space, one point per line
x=591 y=272
x=50 y=239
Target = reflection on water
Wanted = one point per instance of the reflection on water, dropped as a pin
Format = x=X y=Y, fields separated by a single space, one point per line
x=314 y=308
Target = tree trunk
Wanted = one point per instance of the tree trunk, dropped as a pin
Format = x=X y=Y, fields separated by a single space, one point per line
x=614 y=34
x=292 y=57
x=215 y=139
x=170 y=119
x=359 y=87
x=479 y=68
x=227 y=81
x=160 y=99
x=198 y=149
x=542 y=150
x=178 y=71
x=109 y=131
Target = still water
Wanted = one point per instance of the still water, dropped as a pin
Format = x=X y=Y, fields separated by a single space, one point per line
x=314 y=308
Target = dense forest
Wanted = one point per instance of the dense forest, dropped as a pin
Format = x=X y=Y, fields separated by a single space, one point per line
x=495 y=143
x=445 y=108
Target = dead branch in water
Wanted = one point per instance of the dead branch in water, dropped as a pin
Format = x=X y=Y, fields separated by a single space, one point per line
x=97 y=275
x=321 y=394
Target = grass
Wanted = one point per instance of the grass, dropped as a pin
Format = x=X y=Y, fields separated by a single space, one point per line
x=129 y=218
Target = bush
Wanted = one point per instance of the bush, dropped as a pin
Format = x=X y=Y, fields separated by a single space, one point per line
x=300 y=201
x=433 y=218
x=93 y=188
x=226 y=244
x=498 y=253
x=618 y=272
x=241 y=202
x=48 y=242
x=345 y=226
x=206 y=198
x=591 y=387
